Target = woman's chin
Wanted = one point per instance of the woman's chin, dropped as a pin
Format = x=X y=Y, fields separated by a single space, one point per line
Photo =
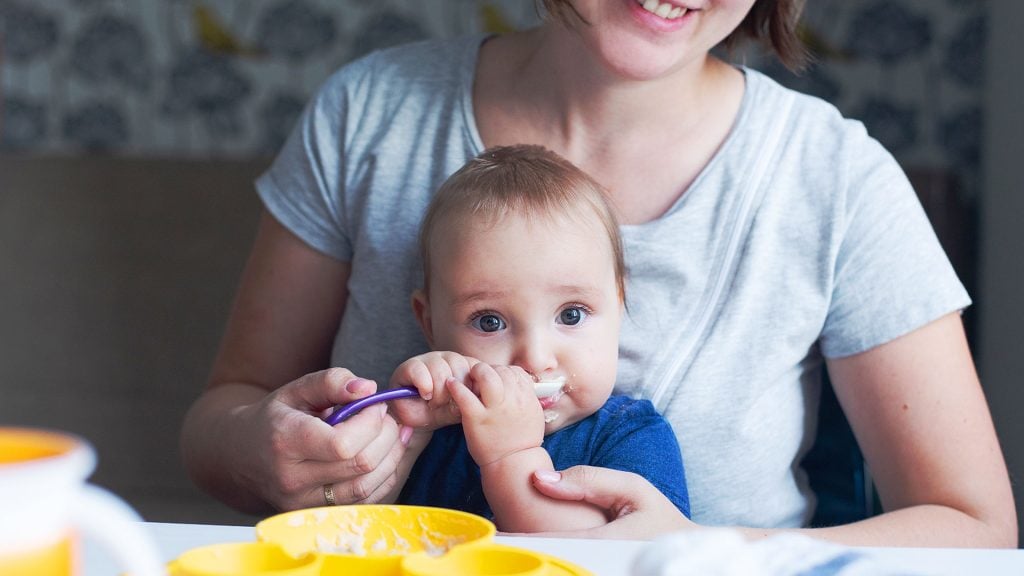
x=638 y=59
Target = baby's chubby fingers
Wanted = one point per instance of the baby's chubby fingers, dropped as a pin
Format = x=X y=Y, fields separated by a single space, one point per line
x=518 y=385
x=487 y=383
x=510 y=392
x=415 y=372
x=495 y=384
x=516 y=378
x=466 y=401
x=444 y=365
x=428 y=374
x=414 y=412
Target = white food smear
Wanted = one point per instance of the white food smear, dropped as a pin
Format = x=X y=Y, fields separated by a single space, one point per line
x=436 y=543
x=351 y=538
x=550 y=416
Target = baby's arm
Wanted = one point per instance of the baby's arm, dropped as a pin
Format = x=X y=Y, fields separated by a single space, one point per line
x=504 y=427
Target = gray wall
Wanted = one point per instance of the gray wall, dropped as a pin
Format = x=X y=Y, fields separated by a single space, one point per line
x=115 y=280
x=1001 y=305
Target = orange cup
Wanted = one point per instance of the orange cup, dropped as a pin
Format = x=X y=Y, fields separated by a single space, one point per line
x=46 y=503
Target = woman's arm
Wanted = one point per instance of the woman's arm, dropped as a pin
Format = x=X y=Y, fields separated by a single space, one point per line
x=254 y=439
x=920 y=417
x=919 y=414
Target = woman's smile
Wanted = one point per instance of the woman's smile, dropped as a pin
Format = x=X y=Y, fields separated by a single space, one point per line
x=664 y=10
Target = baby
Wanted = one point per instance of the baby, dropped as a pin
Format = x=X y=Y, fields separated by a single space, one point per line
x=523 y=296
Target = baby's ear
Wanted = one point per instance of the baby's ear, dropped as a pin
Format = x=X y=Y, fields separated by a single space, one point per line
x=421 y=308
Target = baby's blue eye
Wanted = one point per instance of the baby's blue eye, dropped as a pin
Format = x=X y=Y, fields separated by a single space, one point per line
x=489 y=323
x=571 y=316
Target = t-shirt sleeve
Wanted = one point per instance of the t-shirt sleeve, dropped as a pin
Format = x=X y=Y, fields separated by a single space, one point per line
x=891 y=274
x=304 y=188
x=643 y=443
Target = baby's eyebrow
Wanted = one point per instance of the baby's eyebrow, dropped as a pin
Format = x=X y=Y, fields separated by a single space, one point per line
x=577 y=290
x=477 y=296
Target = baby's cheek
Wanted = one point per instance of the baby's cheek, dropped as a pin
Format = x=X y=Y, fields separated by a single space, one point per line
x=586 y=402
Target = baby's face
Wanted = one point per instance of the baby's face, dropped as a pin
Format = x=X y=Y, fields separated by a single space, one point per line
x=537 y=294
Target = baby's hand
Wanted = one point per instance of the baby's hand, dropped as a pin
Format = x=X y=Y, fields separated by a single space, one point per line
x=500 y=411
x=428 y=373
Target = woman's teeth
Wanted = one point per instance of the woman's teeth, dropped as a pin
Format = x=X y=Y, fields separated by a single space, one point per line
x=663 y=9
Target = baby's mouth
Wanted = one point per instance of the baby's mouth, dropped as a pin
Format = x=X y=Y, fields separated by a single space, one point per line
x=549 y=401
x=549 y=392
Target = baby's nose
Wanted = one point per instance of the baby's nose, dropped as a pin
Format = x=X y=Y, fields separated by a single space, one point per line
x=535 y=354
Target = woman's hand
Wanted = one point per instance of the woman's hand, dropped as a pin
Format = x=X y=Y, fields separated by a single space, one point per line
x=283 y=453
x=636 y=510
x=302 y=453
x=254 y=439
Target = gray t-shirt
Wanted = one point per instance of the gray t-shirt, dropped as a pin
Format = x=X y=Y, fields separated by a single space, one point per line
x=801 y=239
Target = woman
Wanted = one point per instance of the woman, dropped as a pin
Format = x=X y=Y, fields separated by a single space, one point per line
x=765 y=236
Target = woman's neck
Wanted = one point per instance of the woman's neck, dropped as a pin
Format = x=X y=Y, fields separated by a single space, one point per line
x=645 y=141
x=584 y=106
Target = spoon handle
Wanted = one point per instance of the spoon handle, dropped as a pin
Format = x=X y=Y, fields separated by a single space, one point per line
x=342 y=413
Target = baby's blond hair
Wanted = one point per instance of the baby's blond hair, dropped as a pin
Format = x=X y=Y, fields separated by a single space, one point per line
x=524 y=180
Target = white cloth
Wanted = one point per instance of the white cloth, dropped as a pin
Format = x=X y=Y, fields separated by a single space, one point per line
x=725 y=552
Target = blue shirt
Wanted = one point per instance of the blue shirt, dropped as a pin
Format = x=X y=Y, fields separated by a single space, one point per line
x=625 y=434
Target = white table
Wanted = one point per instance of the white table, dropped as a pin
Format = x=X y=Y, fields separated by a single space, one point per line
x=602 y=557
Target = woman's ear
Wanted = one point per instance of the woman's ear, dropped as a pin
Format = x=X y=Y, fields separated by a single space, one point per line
x=421 y=309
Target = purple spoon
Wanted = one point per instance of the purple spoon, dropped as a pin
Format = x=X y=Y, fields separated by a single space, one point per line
x=342 y=413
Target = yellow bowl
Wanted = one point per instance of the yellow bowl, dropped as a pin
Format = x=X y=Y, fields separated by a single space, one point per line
x=372 y=539
x=481 y=560
x=244 y=559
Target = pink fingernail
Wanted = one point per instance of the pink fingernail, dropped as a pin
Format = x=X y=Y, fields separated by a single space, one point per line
x=354 y=383
x=548 y=476
x=404 y=434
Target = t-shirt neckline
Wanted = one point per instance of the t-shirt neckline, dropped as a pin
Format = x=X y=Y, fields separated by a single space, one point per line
x=470 y=61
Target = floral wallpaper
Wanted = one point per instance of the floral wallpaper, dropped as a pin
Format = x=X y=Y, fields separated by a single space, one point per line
x=911 y=70
x=195 y=77
x=229 y=77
